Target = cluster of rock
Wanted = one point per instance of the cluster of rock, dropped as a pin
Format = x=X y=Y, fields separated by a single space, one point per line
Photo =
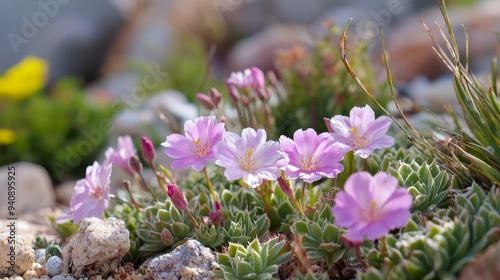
x=96 y=252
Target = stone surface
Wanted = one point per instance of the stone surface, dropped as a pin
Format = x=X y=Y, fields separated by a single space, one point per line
x=24 y=254
x=97 y=248
x=29 y=275
x=412 y=56
x=188 y=261
x=54 y=266
x=259 y=49
x=33 y=188
x=39 y=270
x=40 y=256
x=64 y=192
x=73 y=36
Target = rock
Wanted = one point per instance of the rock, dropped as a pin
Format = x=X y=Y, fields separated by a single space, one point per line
x=59 y=277
x=73 y=36
x=40 y=256
x=433 y=94
x=97 y=248
x=23 y=254
x=259 y=50
x=484 y=266
x=39 y=269
x=64 y=192
x=188 y=261
x=54 y=266
x=414 y=56
x=33 y=188
x=141 y=119
x=29 y=275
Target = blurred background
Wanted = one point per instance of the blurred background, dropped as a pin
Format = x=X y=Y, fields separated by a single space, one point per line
x=77 y=74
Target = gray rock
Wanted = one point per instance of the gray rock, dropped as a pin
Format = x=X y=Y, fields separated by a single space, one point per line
x=59 y=277
x=23 y=257
x=188 y=261
x=64 y=191
x=40 y=256
x=97 y=248
x=54 y=266
x=73 y=36
x=33 y=188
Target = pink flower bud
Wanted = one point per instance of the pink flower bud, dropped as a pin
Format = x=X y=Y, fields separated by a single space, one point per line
x=166 y=237
x=177 y=197
x=216 y=217
x=205 y=101
x=148 y=150
x=284 y=186
x=233 y=93
x=135 y=164
x=328 y=125
x=216 y=96
x=258 y=79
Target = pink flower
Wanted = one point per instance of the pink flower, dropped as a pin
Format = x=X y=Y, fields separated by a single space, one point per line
x=361 y=131
x=196 y=148
x=310 y=156
x=240 y=79
x=249 y=157
x=91 y=195
x=121 y=157
x=253 y=77
x=370 y=206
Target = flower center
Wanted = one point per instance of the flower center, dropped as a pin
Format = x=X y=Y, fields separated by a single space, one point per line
x=308 y=164
x=199 y=150
x=247 y=162
x=372 y=214
x=97 y=193
x=358 y=141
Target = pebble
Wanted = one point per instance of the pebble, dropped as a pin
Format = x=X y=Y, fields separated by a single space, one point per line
x=54 y=266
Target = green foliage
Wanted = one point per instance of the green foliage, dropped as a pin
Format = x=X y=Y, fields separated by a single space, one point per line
x=317 y=84
x=241 y=226
x=53 y=249
x=162 y=227
x=255 y=261
x=428 y=185
x=382 y=160
x=48 y=129
x=312 y=276
x=320 y=237
x=448 y=243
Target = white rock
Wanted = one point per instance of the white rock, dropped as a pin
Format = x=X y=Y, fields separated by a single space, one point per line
x=97 y=248
x=30 y=275
x=33 y=188
x=58 y=277
x=54 y=266
x=40 y=256
x=24 y=254
x=188 y=261
x=39 y=269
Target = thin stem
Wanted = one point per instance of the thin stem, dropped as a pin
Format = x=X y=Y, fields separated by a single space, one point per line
x=209 y=184
x=310 y=194
x=360 y=258
x=145 y=185
x=365 y=164
x=296 y=204
x=262 y=191
x=161 y=185
x=127 y=187
x=195 y=223
x=302 y=195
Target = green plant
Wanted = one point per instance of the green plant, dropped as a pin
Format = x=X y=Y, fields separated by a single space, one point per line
x=48 y=128
x=255 y=261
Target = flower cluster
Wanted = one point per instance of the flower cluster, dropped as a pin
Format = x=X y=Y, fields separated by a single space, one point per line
x=369 y=206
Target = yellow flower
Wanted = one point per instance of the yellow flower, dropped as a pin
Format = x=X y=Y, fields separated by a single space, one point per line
x=24 y=78
x=7 y=136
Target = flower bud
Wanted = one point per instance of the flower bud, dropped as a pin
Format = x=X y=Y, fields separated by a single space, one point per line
x=177 y=197
x=148 y=150
x=258 y=79
x=285 y=188
x=135 y=164
x=233 y=93
x=216 y=217
x=328 y=125
x=166 y=237
x=205 y=101
x=216 y=96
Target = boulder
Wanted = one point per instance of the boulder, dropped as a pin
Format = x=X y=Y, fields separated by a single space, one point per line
x=16 y=254
x=97 y=248
x=33 y=188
